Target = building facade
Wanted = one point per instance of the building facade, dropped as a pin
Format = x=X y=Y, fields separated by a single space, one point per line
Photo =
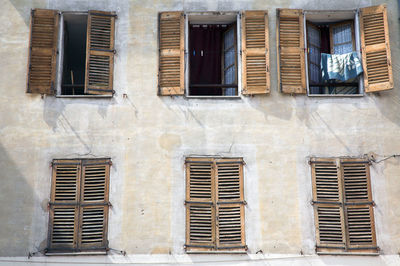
x=115 y=139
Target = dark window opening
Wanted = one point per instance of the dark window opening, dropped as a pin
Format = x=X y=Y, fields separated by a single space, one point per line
x=323 y=41
x=74 y=56
x=213 y=60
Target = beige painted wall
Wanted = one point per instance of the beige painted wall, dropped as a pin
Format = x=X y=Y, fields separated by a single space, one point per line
x=148 y=137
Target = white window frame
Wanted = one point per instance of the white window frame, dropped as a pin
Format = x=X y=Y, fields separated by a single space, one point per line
x=212 y=16
x=335 y=15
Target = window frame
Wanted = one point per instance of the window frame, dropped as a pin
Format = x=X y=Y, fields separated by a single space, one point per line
x=213 y=16
x=357 y=41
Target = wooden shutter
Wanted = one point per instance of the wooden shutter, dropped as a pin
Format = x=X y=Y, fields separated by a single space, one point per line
x=200 y=211
x=64 y=204
x=171 y=53
x=100 y=53
x=328 y=210
x=255 y=53
x=43 y=51
x=230 y=204
x=359 y=206
x=375 y=47
x=290 y=42
x=94 y=200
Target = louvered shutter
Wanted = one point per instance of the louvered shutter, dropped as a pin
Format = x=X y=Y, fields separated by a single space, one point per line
x=376 y=49
x=255 y=53
x=328 y=210
x=359 y=206
x=43 y=51
x=230 y=204
x=64 y=204
x=200 y=210
x=290 y=42
x=94 y=203
x=171 y=53
x=100 y=53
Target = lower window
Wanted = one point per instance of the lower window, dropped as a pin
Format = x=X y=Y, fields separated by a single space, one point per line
x=214 y=205
x=79 y=205
x=343 y=206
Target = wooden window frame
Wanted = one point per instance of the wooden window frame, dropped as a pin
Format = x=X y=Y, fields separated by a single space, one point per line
x=216 y=204
x=331 y=200
x=80 y=204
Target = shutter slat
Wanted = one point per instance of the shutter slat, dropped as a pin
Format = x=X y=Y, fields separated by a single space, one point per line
x=93 y=226
x=375 y=44
x=66 y=180
x=43 y=51
x=229 y=182
x=356 y=182
x=171 y=56
x=360 y=226
x=291 y=62
x=201 y=224
x=100 y=64
x=326 y=182
x=63 y=227
x=230 y=225
x=255 y=53
x=200 y=181
x=329 y=225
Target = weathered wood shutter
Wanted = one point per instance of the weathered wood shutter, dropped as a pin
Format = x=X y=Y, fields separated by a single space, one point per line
x=328 y=210
x=343 y=205
x=255 y=53
x=230 y=204
x=43 y=51
x=171 y=54
x=64 y=204
x=375 y=47
x=100 y=53
x=79 y=205
x=94 y=200
x=290 y=42
x=200 y=209
x=359 y=205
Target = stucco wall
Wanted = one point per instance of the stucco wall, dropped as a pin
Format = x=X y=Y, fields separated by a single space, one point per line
x=148 y=137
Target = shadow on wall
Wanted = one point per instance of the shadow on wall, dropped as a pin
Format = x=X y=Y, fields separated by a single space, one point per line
x=17 y=200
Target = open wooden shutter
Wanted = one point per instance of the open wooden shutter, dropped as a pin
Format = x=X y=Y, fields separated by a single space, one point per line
x=290 y=42
x=255 y=53
x=64 y=204
x=171 y=54
x=230 y=204
x=376 y=49
x=328 y=208
x=100 y=53
x=94 y=201
x=359 y=206
x=200 y=210
x=43 y=51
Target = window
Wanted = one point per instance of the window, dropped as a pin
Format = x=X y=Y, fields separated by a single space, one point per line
x=214 y=205
x=199 y=53
x=79 y=205
x=343 y=206
x=348 y=52
x=71 y=53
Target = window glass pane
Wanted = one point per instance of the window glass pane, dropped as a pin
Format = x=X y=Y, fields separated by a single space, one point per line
x=342 y=39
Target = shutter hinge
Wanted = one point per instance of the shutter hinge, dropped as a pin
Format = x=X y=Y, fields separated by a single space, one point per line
x=32 y=11
x=110 y=162
x=113 y=92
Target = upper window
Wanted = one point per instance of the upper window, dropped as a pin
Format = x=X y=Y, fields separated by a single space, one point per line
x=71 y=53
x=334 y=52
x=214 y=205
x=79 y=205
x=343 y=205
x=199 y=53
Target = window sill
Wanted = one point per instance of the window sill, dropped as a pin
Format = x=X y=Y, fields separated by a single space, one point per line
x=84 y=96
x=336 y=95
x=217 y=252
x=80 y=253
x=348 y=253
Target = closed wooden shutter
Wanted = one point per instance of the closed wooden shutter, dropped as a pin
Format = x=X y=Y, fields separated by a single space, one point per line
x=328 y=209
x=79 y=205
x=100 y=53
x=64 y=204
x=255 y=53
x=214 y=204
x=290 y=42
x=230 y=204
x=43 y=51
x=343 y=206
x=375 y=47
x=171 y=53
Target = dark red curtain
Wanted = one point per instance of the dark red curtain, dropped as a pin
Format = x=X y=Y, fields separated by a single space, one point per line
x=205 y=45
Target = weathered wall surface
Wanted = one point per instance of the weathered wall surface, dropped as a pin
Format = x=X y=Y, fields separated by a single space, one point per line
x=148 y=137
